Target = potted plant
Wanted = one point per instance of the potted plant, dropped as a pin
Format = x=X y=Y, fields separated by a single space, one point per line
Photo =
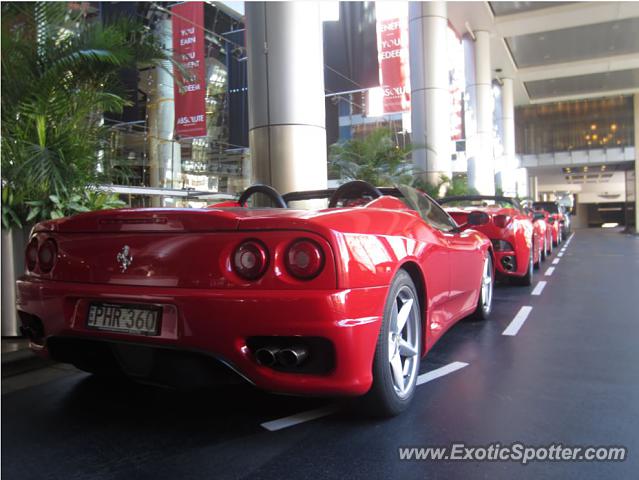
x=376 y=158
x=60 y=73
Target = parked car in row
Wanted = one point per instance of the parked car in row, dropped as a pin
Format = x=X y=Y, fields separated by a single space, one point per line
x=560 y=213
x=518 y=244
x=343 y=300
x=553 y=226
x=543 y=229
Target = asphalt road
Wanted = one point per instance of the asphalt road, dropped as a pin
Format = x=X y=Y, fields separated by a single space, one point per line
x=568 y=374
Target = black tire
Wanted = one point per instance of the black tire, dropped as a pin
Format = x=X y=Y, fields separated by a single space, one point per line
x=540 y=248
x=484 y=308
x=544 y=250
x=549 y=245
x=382 y=400
x=527 y=279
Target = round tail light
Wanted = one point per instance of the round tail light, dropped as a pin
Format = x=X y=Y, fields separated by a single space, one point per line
x=501 y=221
x=250 y=260
x=304 y=259
x=47 y=255
x=32 y=254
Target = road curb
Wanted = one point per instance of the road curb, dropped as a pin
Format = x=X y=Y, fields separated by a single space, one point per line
x=22 y=361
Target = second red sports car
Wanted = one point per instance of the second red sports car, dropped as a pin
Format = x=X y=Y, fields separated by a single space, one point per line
x=516 y=242
x=554 y=226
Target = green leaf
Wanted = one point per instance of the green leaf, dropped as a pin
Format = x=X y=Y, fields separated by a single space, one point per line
x=55 y=214
x=33 y=213
x=15 y=218
x=78 y=208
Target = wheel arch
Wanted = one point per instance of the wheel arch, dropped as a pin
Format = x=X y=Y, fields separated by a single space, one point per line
x=417 y=276
x=493 y=258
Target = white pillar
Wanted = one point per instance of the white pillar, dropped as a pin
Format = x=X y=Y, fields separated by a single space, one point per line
x=636 y=109
x=14 y=241
x=509 y=172
x=287 y=132
x=430 y=96
x=164 y=150
x=481 y=169
x=533 y=187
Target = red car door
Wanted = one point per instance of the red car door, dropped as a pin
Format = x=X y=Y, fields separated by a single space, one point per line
x=466 y=263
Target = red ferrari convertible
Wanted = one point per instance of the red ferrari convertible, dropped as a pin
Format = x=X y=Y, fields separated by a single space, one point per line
x=343 y=300
x=553 y=224
x=543 y=228
x=518 y=248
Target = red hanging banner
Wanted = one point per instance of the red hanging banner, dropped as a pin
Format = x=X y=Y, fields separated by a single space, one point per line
x=393 y=61
x=188 y=49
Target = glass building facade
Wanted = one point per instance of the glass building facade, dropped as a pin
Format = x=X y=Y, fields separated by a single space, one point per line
x=575 y=125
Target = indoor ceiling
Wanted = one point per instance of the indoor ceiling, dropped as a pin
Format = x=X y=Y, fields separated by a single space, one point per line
x=593 y=83
x=590 y=174
x=558 y=50
x=508 y=8
x=577 y=43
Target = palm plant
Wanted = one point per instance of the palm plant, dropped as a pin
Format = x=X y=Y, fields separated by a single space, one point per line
x=446 y=187
x=375 y=158
x=59 y=75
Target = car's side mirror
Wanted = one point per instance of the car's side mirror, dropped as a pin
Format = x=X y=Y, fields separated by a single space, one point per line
x=478 y=218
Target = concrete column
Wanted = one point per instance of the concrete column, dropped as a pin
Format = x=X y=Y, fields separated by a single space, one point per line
x=14 y=241
x=164 y=150
x=636 y=121
x=509 y=173
x=533 y=187
x=481 y=169
x=430 y=96
x=287 y=133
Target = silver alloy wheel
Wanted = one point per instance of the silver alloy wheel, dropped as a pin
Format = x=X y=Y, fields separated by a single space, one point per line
x=540 y=247
x=532 y=262
x=403 y=338
x=487 y=285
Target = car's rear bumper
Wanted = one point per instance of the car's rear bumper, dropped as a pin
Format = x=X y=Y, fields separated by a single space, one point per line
x=218 y=323
x=505 y=258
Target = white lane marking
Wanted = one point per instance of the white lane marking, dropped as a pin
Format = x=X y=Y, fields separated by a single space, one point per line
x=440 y=372
x=560 y=254
x=298 y=418
x=292 y=420
x=563 y=250
x=518 y=321
x=555 y=261
x=549 y=271
x=539 y=288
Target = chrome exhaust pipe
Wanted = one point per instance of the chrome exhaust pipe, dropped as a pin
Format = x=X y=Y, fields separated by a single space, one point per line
x=266 y=356
x=292 y=357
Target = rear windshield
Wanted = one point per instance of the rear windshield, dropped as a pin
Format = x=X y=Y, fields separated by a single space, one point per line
x=471 y=203
x=551 y=207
